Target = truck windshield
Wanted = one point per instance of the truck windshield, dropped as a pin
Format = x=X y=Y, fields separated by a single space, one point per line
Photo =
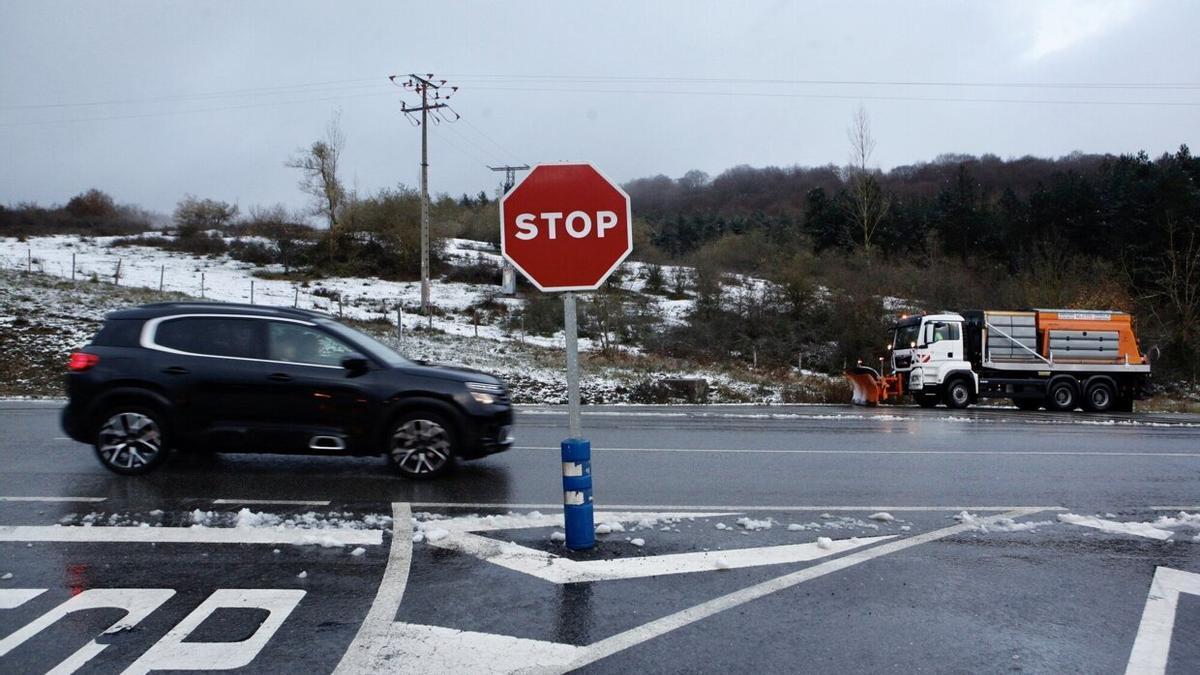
x=906 y=336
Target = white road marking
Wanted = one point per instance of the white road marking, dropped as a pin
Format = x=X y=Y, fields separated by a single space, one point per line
x=1152 y=646
x=523 y=521
x=52 y=499
x=190 y=535
x=373 y=645
x=171 y=652
x=433 y=649
x=15 y=597
x=987 y=453
x=726 y=507
x=666 y=624
x=137 y=602
x=286 y=502
x=1175 y=508
x=558 y=570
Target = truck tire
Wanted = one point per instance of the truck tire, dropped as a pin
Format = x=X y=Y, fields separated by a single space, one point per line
x=1062 y=395
x=958 y=394
x=1100 y=396
x=927 y=400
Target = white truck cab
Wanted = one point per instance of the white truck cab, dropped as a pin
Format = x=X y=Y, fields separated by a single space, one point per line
x=930 y=348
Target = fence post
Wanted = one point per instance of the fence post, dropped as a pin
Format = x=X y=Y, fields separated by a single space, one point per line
x=475 y=319
x=339 y=305
x=29 y=260
x=162 y=271
x=400 y=323
x=117 y=275
x=296 y=298
x=72 y=267
x=252 y=291
x=202 y=284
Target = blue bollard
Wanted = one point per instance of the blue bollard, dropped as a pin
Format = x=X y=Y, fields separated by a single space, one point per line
x=577 y=494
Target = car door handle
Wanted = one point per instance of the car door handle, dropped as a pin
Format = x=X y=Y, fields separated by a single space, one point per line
x=279 y=377
x=176 y=370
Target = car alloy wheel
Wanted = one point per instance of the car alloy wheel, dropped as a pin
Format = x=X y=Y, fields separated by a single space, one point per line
x=130 y=442
x=421 y=447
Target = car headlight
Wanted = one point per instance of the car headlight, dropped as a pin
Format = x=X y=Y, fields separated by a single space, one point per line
x=485 y=393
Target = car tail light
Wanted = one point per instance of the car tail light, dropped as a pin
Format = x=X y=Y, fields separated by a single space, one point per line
x=81 y=361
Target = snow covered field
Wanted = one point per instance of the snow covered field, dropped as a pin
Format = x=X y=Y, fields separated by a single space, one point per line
x=45 y=315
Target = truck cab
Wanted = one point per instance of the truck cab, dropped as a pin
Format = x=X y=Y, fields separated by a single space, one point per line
x=930 y=353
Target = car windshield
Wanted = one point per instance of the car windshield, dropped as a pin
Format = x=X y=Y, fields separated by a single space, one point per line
x=373 y=347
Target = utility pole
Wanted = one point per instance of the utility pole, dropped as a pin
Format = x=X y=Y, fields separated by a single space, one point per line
x=510 y=174
x=430 y=90
x=508 y=275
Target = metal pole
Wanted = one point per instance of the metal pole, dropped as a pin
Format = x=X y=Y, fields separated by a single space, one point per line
x=572 y=334
x=400 y=323
x=202 y=284
x=29 y=261
x=425 y=200
x=162 y=272
x=252 y=291
x=72 y=267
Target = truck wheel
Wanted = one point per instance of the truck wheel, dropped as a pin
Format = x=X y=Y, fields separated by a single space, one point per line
x=1027 y=403
x=1099 y=397
x=1063 y=395
x=927 y=400
x=958 y=394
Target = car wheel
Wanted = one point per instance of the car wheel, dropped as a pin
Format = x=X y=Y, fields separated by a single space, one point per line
x=1027 y=403
x=1100 y=397
x=130 y=439
x=927 y=400
x=421 y=445
x=958 y=394
x=1062 y=396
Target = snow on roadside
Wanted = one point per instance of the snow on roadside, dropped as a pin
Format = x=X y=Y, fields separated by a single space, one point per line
x=1116 y=527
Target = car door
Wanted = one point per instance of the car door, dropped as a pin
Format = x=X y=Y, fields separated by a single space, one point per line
x=327 y=406
x=216 y=374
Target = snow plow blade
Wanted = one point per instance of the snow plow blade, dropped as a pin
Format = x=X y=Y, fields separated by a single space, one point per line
x=870 y=387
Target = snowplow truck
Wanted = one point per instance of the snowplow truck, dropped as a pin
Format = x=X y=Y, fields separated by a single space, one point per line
x=1056 y=359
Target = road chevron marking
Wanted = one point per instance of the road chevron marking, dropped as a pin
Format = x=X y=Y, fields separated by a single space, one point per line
x=385 y=644
x=556 y=569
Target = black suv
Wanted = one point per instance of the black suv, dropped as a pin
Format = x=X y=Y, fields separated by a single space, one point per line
x=247 y=378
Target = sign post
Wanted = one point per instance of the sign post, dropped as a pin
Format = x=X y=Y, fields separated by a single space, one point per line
x=566 y=227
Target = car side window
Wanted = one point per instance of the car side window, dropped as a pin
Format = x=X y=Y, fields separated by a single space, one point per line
x=212 y=336
x=297 y=343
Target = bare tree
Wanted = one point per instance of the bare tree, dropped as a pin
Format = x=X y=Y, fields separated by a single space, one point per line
x=866 y=204
x=319 y=168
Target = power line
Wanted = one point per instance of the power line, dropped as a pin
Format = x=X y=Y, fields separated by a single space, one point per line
x=779 y=81
x=170 y=113
x=843 y=97
x=229 y=93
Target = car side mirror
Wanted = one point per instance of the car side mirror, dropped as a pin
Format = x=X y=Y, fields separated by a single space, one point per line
x=355 y=363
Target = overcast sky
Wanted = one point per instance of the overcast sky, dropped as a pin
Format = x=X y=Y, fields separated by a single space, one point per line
x=152 y=100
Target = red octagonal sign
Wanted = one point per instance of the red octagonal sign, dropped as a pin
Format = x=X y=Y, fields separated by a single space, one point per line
x=566 y=227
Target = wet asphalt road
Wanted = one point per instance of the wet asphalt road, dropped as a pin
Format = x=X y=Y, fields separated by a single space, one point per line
x=938 y=596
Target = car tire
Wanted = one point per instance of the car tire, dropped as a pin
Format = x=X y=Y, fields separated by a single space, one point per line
x=1062 y=395
x=927 y=400
x=1100 y=397
x=130 y=439
x=421 y=445
x=958 y=394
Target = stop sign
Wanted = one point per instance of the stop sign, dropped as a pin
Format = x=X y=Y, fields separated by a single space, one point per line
x=566 y=227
